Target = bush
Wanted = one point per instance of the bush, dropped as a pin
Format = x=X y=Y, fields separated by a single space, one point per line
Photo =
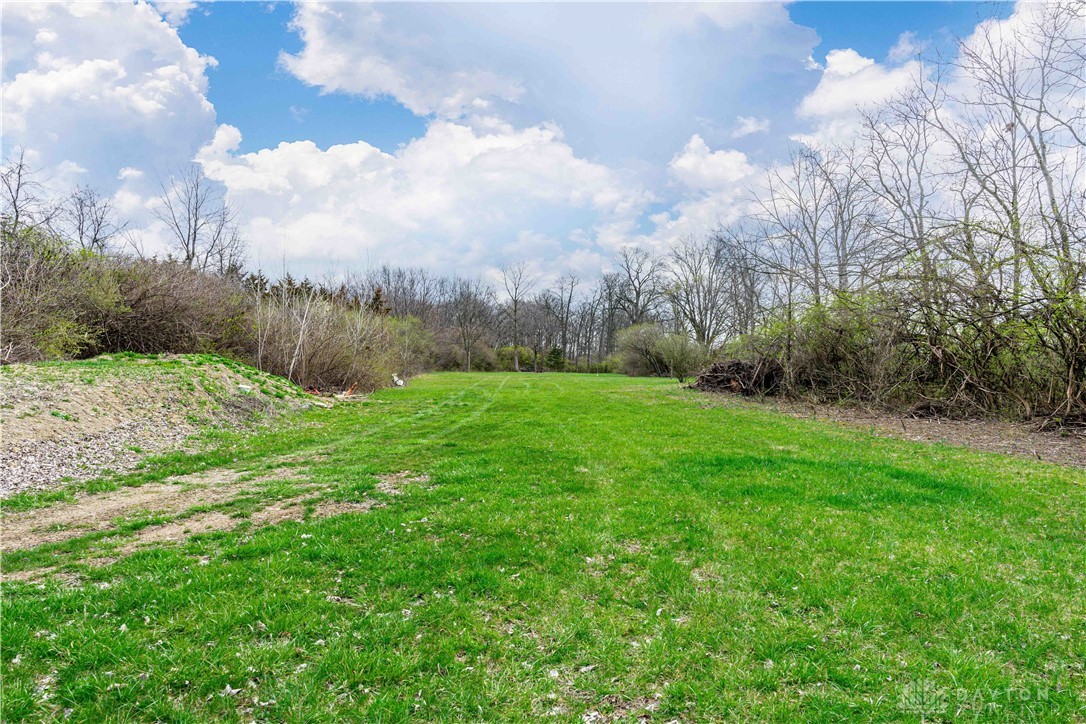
x=62 y=303
x=555 y=361
x=413 y=345
x=318 y=343
x=681 y=355
x=638 y=353
x=52 y=299
x=169 y=307
x=884 y=349
x=504 y=358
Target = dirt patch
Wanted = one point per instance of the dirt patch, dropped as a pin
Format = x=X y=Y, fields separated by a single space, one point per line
x=31 y=575
x=616 y=709
x=40 y=575
x=330 y=508
x=102 y=511
x=278 y=512
x=1009 y=438
x=179 y=530
x=392 y=483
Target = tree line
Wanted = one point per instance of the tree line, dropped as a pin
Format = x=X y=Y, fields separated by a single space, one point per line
x=935 y=259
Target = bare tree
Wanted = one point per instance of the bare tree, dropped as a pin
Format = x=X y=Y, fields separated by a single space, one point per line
x=202 y=225
x=469 y=310
x=699 y=287
x=643 y=283
x=567 y=286
x=24 y=202
x=518 y=284
x=409 y=291
x=89 y=219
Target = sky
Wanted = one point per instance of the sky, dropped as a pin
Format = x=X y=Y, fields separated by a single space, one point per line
x=458 y=137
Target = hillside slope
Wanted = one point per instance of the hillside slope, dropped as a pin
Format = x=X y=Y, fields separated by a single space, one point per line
x=72 y=421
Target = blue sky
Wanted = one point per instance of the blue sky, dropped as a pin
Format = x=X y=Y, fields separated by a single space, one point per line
x=455 y=136
x=251 y=91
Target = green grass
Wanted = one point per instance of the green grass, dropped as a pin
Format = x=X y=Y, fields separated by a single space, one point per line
x=584 y=544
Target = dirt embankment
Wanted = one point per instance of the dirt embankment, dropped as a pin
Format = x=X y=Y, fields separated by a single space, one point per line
x=73 y=421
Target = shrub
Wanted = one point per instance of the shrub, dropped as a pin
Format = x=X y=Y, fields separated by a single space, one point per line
x=318 y=343
x=638 y=352
x=504 y=358
x=167 y=306
x=555 y=361
x=413 y=345
x=681 y=355
x=52 y=299
x=62 y=303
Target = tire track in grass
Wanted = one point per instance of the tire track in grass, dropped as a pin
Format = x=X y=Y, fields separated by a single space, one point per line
x=493 y=396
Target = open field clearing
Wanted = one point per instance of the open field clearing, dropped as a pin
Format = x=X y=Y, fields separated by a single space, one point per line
x=588 y=548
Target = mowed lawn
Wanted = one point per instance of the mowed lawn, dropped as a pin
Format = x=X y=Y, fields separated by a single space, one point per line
x=586 y=547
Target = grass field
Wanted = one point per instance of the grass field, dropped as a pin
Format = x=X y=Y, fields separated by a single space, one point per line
x=584 y=548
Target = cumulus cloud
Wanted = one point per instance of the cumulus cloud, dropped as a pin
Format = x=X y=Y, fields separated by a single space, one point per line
x=354 y=49
x=716 y=188
x=532 y=112
x=102 y=87
x=614 y=76
x=849 y=83
x=697 y=167
x=452 y=199
x=176 y=12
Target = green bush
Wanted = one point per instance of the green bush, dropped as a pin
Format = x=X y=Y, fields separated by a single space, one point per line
x=52 y=300
x=637 y=351
x=681 y=355
x=555 y=360
x=504 y=358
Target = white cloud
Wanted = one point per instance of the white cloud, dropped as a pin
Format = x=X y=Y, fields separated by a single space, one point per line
x=452 y=199
x=45 y=37
x=101 y=86
x=698 y=167
x=849 y=83
x=176 y=12
x=614 y=76
x=351 y=48
x=747 y=125
x=907 y=47
x=718 y=187
x=520 y=100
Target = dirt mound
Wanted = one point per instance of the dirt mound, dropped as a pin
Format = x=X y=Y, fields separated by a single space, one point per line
x=762 y=377
x=71 y=421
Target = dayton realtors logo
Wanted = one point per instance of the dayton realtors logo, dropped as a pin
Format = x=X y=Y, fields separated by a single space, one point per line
x=924 y=699
x=928 y=700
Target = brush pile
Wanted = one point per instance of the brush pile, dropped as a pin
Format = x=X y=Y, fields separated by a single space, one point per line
x=762 y=377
